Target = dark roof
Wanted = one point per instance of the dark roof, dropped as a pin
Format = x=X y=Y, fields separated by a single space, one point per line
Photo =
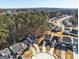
x=67 y=40
x=63 y=47
x=75 y=49
x=47 y=37
x=50 y=25
x=75 y=40
x=74 y=31
x=56 y=29
x=32 y=36
x=30 y=39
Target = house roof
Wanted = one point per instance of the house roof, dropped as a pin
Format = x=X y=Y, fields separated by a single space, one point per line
x=24 y=44
x=16 y=48
x=67 y=23
x=6 y=51
x=4 y=57
x=66 y=40
x=56 y=29
x=75 y=40
x=47 y=37
x=74 y=31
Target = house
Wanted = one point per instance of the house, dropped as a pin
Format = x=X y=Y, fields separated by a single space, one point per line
x=56 y=29
x=67 y=30
x=63 y=47
x=24 y=44
x=47 y=37
x=50 y=25
x=30 y=39
x=5 y=51
x=67 y=40
x=74 y=31
x=16 y=48
x=67 y=23
x=75 y=40
x=4 y=57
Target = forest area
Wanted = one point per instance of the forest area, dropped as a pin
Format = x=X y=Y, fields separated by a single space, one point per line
x=13 y=27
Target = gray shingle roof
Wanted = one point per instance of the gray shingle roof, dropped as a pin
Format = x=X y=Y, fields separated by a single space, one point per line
x=16 y=48
x=6 y=51
x=67 y=30
x=4 y=57
x=24 y=44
